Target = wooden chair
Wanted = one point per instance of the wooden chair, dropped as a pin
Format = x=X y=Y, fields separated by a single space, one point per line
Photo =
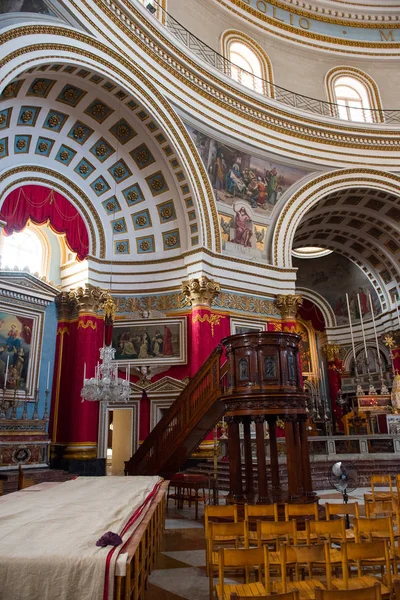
x=24 y=482
x=377 y=529
x=371 y=593
x=343 y=510
x=379 y=508
x=242 y=559
x=289 y=596
x=362 y=554
x=396 y=588
x=256 y=512
x=233 y=535
x=373 y=529
x=397 y=481
x=273 y=534
x=301 y=510
x=218 y=514
x=332 y=532
x=385 y=480
x=302 y=558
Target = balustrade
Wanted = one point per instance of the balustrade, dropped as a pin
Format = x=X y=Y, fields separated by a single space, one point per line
x=287 y=97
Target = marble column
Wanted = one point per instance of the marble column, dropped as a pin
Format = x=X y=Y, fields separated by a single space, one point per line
x=206 y=328
x=80 y=335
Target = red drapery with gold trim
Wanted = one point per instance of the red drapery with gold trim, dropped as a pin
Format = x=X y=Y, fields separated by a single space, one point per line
x=43 y=205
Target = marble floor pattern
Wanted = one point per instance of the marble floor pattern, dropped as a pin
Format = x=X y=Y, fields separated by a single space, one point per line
x=180 y=572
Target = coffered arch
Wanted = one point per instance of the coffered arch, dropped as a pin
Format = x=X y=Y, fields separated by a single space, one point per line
x=170 y=150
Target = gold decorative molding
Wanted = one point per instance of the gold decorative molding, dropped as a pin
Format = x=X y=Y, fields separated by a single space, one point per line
x=88 y=299
x=200 y=291
x=212 y=318
x=288 y=305
x=269 y=121
x=86 y=324
x=331 y=351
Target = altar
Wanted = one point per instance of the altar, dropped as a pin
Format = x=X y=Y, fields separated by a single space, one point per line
x=48 y=538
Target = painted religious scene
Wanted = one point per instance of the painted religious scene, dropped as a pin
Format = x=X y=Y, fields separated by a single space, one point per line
x=332 y=277
x=236 y=175
x=15 y=346
x=152 y=341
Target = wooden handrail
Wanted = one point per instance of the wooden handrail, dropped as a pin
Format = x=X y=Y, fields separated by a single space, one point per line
x=182 y=417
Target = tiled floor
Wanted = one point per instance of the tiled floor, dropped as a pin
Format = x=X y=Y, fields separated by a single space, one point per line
x=180 y=572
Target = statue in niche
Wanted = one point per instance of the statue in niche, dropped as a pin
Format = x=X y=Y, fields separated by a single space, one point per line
x=243 y=369
x=291 y=369
x=270 y=367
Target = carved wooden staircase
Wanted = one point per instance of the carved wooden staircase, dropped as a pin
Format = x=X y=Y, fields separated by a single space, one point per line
x=190 y=418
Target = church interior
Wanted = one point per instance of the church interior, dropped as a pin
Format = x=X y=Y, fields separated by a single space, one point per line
x=199 y=299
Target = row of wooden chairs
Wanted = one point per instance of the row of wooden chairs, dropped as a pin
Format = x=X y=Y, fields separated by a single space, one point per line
x=371 y=593
x=297 y=560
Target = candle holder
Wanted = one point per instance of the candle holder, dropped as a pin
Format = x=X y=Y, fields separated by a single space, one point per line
x=46 y=405
x=14 y=403
x=35 y=415
x=25 y=410
x=3 y=404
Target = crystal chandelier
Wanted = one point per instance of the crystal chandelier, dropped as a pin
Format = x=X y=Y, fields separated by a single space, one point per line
x=106 y=386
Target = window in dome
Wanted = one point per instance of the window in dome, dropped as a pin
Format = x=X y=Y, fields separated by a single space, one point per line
x=352 y=99
x=356 y=95
x=246 y=68
x=24 y=250
x=248 y=62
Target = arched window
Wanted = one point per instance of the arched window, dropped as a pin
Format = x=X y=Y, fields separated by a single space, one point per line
x=246 y=67
x=352 y=100
x=23 y=250
x=248 y=62
x=355 y=94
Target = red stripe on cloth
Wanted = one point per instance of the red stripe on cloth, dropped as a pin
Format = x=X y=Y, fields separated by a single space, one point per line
x=128 y=524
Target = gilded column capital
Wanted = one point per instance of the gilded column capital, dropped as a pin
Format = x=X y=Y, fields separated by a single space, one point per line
x=200 y=291
x=331 y=351
x=288 y=304
x=88 y=298
x=63 y=306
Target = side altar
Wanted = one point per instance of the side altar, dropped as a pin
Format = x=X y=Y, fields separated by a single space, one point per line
x=27 y=341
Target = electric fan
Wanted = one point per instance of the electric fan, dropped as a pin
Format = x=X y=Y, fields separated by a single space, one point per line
x=344 y=478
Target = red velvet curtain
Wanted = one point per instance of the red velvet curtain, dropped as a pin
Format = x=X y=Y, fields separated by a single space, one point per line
x=43 y=205
x=309 y=312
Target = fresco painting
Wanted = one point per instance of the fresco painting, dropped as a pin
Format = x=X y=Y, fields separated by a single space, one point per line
x=332 y=277
x=234 y=174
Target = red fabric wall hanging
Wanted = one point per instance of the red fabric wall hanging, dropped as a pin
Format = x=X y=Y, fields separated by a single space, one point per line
x=43 y=205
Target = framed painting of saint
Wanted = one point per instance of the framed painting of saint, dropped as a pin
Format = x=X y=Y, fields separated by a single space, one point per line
x=158 y=341
x=19 y=348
